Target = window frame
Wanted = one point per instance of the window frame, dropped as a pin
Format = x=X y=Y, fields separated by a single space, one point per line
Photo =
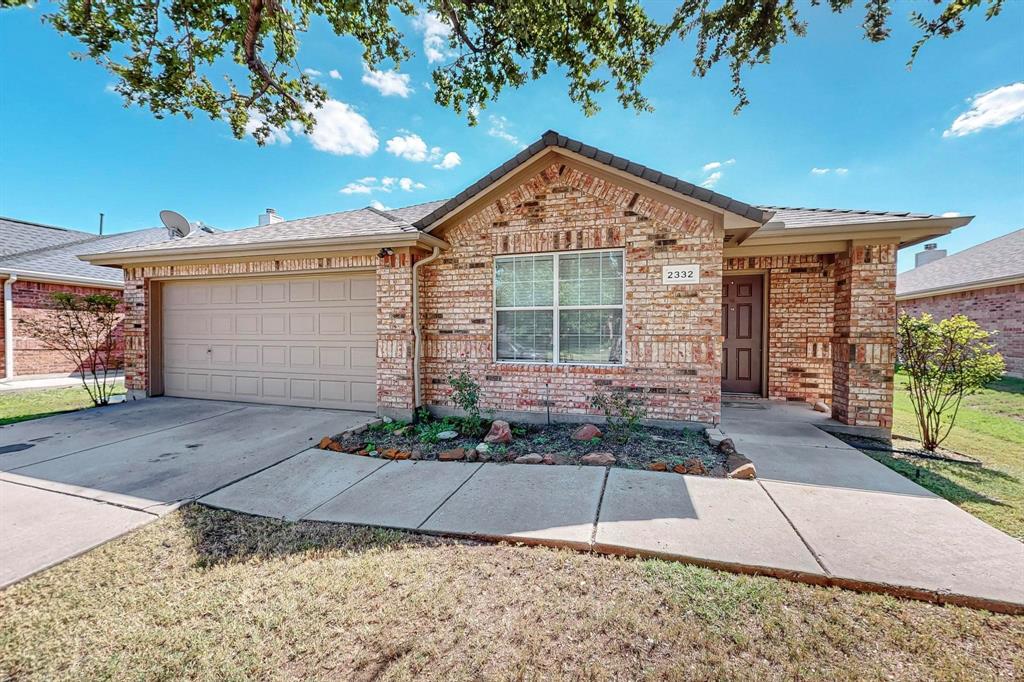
x=555 y=309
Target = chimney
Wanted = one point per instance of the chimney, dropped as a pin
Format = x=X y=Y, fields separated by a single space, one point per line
x=931 y=253
x=270 y=217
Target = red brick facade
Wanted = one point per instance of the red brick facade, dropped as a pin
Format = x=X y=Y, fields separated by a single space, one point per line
x=31 y=300
x=999 y=309
x=672 y=344
x=830 y=318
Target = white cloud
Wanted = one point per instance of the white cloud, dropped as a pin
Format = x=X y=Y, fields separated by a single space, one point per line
x=990 y=109
x=335 y=74
x=111 y=88
x=499 y=129
x=450 y=160
x=312 y=72
x=387 y=83
x=379 y=206
x=826 y=171
x=951 y=214
x=277 y=135
x=713 y=165
x=712 y=180
x=371 y=184
x=408 y=184
x=410 y=146
x=341 y=130
x=435 y=36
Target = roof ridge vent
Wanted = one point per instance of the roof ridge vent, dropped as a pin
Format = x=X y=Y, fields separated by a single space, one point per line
x=390 y=216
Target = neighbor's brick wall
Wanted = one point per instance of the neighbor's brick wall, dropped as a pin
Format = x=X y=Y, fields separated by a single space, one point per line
x=32 y=302
x=863 y=347
x=673 y=348
x=999 y=309
x=800 y=317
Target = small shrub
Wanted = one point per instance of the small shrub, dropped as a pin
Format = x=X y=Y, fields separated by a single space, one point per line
x=622 y=411
x=427 y=431
x=518 y=430
x=466 y=394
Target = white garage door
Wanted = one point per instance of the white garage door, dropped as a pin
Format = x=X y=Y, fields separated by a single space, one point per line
x=308 y=341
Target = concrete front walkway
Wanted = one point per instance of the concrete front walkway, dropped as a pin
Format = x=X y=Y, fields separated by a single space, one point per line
x=73 y=481
x=842 y=519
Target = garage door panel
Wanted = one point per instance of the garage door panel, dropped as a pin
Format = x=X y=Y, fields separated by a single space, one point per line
x=298 y=341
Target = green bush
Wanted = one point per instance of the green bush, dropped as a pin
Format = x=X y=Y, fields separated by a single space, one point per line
x=623 y=412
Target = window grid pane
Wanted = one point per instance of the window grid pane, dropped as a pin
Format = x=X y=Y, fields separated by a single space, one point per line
x=526 y=335
x=590 y=336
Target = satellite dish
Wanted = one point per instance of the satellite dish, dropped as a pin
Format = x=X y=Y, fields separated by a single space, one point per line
x=175 y=222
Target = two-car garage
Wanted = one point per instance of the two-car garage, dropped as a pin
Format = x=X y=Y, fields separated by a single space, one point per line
x=296 y=340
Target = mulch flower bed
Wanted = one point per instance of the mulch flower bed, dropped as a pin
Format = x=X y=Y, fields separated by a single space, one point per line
x=907 y=447
x=656 y=449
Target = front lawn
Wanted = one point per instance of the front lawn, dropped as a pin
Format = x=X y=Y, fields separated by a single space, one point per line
x=206 y=594
x=990 y=428
x=19 y=406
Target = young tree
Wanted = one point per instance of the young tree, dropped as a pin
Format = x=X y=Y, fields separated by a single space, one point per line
x=84 y=330
x=239 y=60
x=944 y=361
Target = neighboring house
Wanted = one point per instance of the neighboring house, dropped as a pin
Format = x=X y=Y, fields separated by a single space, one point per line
x=37 y=260
x=565 y=272
x=984 y=282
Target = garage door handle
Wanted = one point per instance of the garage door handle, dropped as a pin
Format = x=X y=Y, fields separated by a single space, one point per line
x=209 y=349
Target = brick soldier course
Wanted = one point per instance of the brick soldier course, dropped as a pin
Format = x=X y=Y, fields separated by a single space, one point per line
x=828 y=277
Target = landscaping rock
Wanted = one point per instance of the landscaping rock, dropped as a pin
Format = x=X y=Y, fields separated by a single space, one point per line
x=658 y=466
x=532 y=458
x=679 y=468
x=822 y=406
x=727 y=446
x=483 y=452
x=402 y=431
x=598 y=459
x=447 y=435
x=393 y=453
x=738 y=466
x=471 y=455
x=416 y=454
x=695 y=467
x=362 y=452
x=387 y=420
x=452 y=455
x=586 y=432
x=500 y=432
x=328 y=443
x=715 y=437
x=548 y=459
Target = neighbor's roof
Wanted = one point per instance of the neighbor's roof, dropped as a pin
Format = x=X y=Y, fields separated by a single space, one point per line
x=367 y=221
x=553 y=139
x=62 y=260
x=993 y=261
x=19 y=236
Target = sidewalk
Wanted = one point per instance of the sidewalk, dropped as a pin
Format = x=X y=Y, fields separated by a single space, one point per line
x=38 y=382
x=878 y=534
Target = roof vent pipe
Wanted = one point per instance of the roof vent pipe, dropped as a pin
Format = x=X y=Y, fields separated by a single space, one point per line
x=270 y=217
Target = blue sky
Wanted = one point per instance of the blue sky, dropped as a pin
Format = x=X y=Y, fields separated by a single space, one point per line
x=887 y=136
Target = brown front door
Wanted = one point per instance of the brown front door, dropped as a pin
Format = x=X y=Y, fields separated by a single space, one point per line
x=741 y=328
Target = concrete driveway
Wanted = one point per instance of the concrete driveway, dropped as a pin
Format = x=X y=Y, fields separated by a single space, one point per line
x=71 y=482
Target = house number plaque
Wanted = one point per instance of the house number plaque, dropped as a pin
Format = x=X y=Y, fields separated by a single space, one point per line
x=680 y=274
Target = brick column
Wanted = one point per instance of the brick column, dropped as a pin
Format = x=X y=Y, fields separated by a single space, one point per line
x=137 y=300
x=395 y=336
x=863 y=347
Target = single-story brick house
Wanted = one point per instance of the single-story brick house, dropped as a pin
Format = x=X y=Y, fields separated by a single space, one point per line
x=984 y=282
x=37 y=260
x=564 y=272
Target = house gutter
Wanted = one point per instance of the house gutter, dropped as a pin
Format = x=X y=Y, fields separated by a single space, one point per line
x=416 y=331
x=9 y=326
x=50 y=278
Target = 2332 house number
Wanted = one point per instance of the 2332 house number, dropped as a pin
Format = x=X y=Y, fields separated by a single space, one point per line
x=680 y=274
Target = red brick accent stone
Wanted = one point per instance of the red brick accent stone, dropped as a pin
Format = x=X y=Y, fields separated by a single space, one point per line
x=999 y=309
x=32 y=300
x=673 y=346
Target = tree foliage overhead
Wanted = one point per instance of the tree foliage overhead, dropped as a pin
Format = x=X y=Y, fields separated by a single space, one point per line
x=239 y=59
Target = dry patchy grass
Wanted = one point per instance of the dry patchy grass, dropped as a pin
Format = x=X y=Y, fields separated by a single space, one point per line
x=213 y=595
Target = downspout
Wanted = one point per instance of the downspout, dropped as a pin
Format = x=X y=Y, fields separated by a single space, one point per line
x=416 y=332
x=9 y=326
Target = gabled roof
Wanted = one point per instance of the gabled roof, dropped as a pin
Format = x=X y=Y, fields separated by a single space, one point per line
x=62 y=263
x=997 y=260
x=19 y=236
x=553 y=139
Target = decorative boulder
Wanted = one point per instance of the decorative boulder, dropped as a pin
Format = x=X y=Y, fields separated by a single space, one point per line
x=715 y=436
x=679 y=468
x=447 y=435
x=822 y=406
x=695 y=467
x=392 y=453
x=598 y=459
x=727 y=447
x=738 y=466
x=586 y=432
x=658 y=466
x=328 y=443
x=500 y=432
x=452 y=455
x=532 y=458
x=416 y=454
x=548 y=459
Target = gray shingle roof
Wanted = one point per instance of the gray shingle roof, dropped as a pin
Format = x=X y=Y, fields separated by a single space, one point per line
x=790 y=217
x=359 y=222
x=553 y=139
x=19 y=236
x=62 y=260
x=997 y=259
